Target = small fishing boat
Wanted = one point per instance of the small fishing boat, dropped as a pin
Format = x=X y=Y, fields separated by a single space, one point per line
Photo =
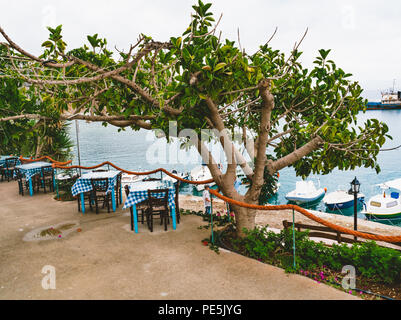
x=201 y=173
x=385 y=206
x=305 y=192
x=341 y=199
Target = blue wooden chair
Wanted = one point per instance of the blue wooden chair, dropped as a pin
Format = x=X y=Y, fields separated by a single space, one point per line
x=157 y=206
x=99 y=192
x=8 y=170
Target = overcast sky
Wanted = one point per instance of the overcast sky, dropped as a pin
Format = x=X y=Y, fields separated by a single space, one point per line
x=364 y=35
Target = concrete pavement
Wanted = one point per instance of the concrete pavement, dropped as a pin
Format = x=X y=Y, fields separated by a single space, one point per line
x=106 y=260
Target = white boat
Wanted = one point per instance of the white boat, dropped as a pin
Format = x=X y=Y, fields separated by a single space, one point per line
x=305 y=192
x=385 y=205
x=201 y=173
x=341 y=199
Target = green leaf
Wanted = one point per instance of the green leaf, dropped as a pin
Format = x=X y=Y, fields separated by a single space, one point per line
x=186 y=54
x=219 y=66
x=324 y=53
x=93 y=40
x=178 y=42
x=202 y=96
x=47 y=44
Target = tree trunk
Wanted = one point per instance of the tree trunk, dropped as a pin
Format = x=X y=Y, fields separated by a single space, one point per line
x=245 y=218
x=39 y=147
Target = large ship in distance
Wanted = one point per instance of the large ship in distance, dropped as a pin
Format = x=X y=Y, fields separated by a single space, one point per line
x=391 y=100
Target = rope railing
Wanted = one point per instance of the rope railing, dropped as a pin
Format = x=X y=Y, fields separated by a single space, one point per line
x=58 y=166
x=43 y=158
x=393 y=239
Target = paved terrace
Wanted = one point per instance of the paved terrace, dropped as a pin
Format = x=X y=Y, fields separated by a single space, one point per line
x=108 y=261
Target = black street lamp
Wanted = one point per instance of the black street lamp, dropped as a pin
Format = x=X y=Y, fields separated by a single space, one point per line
x=355 y=186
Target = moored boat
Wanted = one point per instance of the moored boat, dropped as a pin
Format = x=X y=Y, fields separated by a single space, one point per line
x=341 y=199
x=385 y=206
x=305 y=192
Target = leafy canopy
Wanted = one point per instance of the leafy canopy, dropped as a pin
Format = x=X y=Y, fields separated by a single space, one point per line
x=21 y=137
x=199 y=65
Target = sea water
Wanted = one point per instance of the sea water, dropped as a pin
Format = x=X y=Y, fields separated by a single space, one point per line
x=141 y=151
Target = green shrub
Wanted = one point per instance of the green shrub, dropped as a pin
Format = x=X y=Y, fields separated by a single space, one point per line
x=369 y=259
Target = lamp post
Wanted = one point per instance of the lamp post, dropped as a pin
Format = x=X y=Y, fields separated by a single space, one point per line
x=355 y=186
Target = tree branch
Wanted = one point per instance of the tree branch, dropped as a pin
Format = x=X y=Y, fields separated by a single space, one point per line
x=31 y=56
x=264 y=129
x=296 y=155
x=25 y=116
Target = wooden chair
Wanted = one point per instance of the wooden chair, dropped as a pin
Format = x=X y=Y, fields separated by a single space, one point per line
x=46 y=179
x=157 y=206
x=99 y=192
x=2 y=173
x=140 y=209
x=87 y=199
x=117 y=189
x=177 y=205
x=8 y=169
x=23 y=183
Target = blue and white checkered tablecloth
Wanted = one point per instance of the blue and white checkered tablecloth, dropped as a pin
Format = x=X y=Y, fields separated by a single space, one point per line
x=139 y=192
x=84 y=184
x=33 y=168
